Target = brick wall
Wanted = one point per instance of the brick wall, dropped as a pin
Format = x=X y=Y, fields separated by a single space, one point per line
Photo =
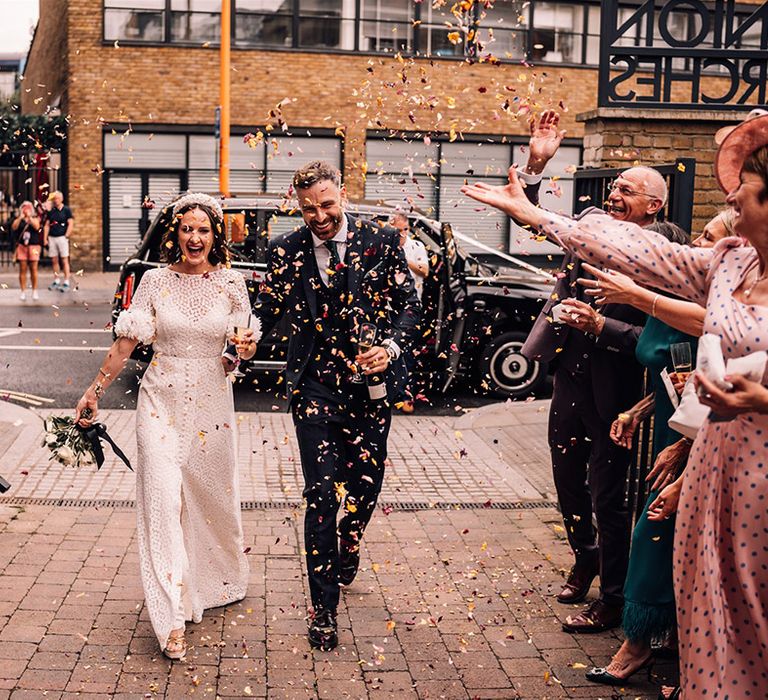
x=45 y=73
x=174 y=85
x=621 y=137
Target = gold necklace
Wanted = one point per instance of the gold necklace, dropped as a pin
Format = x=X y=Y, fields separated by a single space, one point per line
x=754 y=284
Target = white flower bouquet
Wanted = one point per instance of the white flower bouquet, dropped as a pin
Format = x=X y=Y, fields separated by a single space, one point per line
x=67 y=443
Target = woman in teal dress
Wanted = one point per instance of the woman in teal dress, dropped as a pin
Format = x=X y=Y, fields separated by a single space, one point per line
x=649 y=603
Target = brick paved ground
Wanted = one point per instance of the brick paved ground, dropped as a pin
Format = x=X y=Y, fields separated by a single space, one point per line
x=431 y=462
x=451 y=602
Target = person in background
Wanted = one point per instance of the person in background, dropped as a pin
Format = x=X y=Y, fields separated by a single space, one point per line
x=58 y=229
x=26 y=231
x=418 y=265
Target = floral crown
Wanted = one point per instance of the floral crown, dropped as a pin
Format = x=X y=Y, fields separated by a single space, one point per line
x=198 y=198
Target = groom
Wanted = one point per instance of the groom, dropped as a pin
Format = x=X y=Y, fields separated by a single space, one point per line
x=329 y=277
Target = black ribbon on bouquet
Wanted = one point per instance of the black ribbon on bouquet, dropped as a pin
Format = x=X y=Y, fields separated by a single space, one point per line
x=95 y=434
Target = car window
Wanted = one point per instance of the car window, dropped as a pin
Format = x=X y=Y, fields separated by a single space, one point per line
x=422 y=232
x=154 y=240
x=249 y=231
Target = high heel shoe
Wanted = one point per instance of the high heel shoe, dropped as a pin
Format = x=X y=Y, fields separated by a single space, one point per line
x=602 y=675
x=676 y=694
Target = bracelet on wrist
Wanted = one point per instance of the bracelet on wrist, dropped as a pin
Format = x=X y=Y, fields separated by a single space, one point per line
x=653 y=305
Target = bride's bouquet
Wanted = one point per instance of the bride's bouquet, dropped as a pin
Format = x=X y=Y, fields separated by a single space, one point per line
x=67 y=442
x=74 y=446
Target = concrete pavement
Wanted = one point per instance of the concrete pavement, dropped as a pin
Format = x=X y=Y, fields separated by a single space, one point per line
x=455 y=598
x=87 y=288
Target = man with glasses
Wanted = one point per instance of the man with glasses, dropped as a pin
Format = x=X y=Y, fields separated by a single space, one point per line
x=596 y=375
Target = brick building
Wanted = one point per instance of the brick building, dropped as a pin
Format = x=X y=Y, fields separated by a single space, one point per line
x=381 y=88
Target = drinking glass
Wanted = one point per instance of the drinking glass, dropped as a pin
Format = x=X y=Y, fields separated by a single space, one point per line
x=365 y=340
x=681 y=359
x=241 y=322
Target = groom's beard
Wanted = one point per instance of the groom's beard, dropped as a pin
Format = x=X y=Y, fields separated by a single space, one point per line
x=327 y=232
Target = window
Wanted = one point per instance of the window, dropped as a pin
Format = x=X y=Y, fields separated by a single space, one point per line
x=142 y=151
x=286 y=154
x=557 y=32
x=435 y=27
x=267 y=167
x=134 y=20
x=462 y=162
x=504 y=29
x=320 y=23
x=428 y=176
x=387 y=26
x=263 y=22
x=195 y=21
x=566 y=32
x=403 y=173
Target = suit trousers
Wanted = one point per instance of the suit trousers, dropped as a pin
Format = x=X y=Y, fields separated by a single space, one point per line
x=343 y=447
x=590 y=473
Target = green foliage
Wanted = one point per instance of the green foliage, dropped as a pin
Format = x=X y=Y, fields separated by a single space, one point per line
x=66 y=442
x=31 y=132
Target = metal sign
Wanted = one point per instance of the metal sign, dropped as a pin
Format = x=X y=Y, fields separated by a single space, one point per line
x=683 y=54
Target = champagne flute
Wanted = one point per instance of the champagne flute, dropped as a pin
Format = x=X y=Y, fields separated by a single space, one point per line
x=365 y=340
x=241 y=322
x=681 y=359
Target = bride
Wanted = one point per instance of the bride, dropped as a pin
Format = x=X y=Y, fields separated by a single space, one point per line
x=190 y=533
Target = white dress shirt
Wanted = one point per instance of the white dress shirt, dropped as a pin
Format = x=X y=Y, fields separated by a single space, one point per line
x=323 y=255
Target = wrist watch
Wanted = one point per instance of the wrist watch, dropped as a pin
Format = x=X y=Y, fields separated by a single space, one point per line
x=391 y=352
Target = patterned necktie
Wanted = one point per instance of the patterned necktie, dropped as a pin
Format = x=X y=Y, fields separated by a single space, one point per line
x=334 y=262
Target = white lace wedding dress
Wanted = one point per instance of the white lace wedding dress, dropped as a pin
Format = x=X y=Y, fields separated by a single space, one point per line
x=190 y=533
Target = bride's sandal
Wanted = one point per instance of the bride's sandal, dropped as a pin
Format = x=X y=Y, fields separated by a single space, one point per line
x=176 y=648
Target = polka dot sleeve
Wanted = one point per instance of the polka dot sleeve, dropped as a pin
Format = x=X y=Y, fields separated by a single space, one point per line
x=649 y=258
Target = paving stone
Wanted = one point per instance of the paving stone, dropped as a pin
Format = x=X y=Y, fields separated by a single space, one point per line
x=449 y=603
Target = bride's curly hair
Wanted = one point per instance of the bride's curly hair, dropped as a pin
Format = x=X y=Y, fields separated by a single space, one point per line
x=171 y=251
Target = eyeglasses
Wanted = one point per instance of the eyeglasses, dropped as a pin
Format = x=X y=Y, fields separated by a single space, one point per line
x=626 y=191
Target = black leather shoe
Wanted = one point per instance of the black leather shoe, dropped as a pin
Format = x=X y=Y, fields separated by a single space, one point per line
x=322 y=632
x=349 y=561
x=598 y=617
x=578 y=583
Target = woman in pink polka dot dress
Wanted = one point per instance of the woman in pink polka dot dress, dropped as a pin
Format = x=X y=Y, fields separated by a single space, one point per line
x=721 y=536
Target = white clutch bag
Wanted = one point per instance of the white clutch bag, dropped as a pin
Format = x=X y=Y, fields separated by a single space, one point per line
x=690 y=414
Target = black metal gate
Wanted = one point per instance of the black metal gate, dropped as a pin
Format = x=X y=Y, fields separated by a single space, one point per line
x=591 y=188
